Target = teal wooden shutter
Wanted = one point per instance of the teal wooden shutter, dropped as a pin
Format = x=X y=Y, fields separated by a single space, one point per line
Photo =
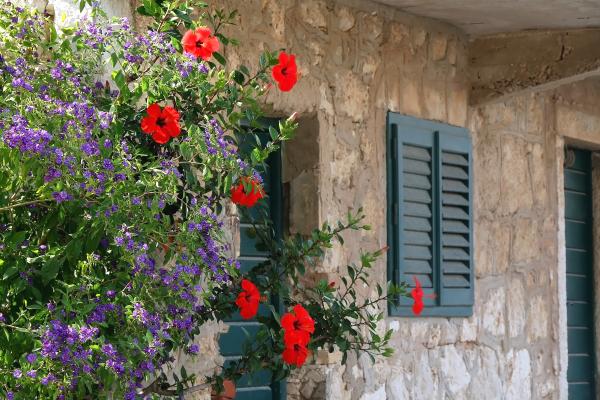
x=429 y=214
x=580 y=276
x=257 y=386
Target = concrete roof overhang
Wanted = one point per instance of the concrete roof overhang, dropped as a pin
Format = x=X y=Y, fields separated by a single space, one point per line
x=482 y=17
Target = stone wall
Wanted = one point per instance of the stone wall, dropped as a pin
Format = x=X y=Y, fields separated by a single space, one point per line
x=357 y=61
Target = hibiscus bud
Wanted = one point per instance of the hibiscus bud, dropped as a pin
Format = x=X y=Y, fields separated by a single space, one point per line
x=293 y=117
x=332 y=284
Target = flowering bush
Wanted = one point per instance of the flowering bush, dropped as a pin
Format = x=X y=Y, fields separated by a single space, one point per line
x=113 y=251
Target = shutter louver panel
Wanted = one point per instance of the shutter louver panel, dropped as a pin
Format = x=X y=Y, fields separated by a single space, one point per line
x=417 y=214
x=456 y=274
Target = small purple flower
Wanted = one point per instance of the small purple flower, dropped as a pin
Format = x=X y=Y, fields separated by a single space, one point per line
x=31 y=358
x=47 y=379
x=62 y=196
x=107 y=164
x=193 y=349
x=17 y=373
x=32 y=373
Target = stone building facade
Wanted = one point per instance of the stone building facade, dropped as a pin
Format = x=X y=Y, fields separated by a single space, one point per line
x=524 y=96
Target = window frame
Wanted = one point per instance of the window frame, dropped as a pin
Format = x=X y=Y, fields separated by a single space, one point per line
x=420 y=132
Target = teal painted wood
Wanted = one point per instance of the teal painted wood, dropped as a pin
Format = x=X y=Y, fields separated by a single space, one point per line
x=257 y=386
x=580 y=293
x=429 y=214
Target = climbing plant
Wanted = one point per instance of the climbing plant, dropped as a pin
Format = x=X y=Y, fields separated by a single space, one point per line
x=119 y=154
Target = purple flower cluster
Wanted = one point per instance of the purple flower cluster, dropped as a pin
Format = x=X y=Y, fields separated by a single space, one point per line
x=20 y=136
x=68 y=344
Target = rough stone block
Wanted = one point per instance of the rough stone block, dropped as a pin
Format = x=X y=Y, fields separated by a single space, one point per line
x=493 y=317
x=515 y=183
x=519 y=375
x=438 y=46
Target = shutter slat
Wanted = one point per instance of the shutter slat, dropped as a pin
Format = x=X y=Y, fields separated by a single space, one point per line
x=454 y=213
x=425 y=280
x=417 y=167
x=450 y=171
x=414 y=252
x=456 y=281
x=417 y=267
x=417 y=195
x=417 y=181
x=455 y=199
x=455 y=267
x=417 y=224
x=452 y=185
x=455 y=254
x=455 y=240
x=418 y=238
x=417 y=210
x=455 y=159
x=416 y=153
x=452 y=226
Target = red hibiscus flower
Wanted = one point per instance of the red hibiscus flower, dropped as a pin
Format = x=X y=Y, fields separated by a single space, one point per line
x=200 y=43
x=161 y=124
x=417 y=295
x=241 y=198
x=295 y=354
x=297 y=326
x=286 y=72
x=248 y=299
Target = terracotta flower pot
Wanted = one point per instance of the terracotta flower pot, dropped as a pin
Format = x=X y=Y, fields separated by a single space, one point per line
x=228 y=392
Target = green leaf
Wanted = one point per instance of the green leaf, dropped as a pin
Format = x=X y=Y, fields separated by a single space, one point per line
x=273 y=132
x=238 y=77
x=50 y=269
x=10 y=271
x=73 y=251
x=151 y=7
x=142 y=11
x=16 y=239
x=119 y=79
x=220 y=58
x=227 y=184
x=145 y=84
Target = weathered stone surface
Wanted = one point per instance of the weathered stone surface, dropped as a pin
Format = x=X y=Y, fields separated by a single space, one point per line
x=525 y=240
x=487 y=381
x=379 y=394
x=439 y=44
x=502 y=64
x=516 y=191
x=517 y=313
x=518 y=365
x=454 y=371
x=494 y=306
x=346 y=19
x=538 y=319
